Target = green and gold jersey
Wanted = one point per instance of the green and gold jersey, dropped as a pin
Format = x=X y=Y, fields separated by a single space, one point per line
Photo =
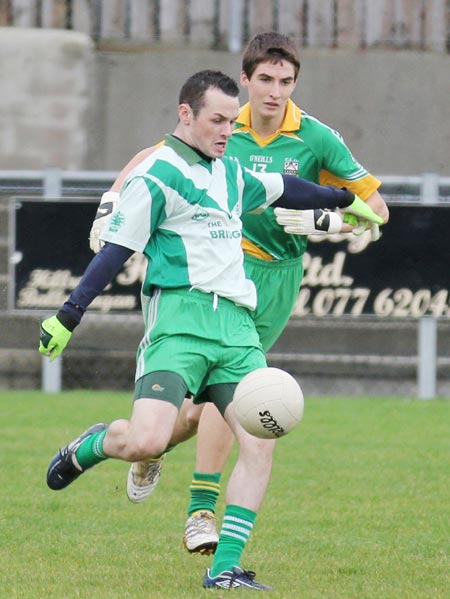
x=183 y=212
x=305 y=147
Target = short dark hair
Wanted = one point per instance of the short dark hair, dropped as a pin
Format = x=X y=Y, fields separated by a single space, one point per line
x=194 y=89
x=269 y=47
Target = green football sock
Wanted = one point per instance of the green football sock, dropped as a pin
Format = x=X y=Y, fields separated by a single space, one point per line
x=204 y=490
x=236 y=528
x=90 y=451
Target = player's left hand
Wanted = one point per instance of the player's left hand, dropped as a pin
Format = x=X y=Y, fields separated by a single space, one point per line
x=54 y=337
x=362 y=211
x=309 y=222
x=360 y=226
x=366 y=226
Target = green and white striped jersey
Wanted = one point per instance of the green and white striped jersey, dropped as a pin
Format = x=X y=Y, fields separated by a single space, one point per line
x=182 y=211
x=305 y=147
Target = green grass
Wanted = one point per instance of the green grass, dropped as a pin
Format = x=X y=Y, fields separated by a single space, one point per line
x=357 y=508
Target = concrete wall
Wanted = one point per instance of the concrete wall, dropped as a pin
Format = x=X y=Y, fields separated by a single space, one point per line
x=46 y=82
x=392 y=107
x=65 y=104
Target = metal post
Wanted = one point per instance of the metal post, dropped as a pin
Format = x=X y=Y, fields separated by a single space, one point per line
x=427 y=358
x=235 y=26
x=52 y=183
x=52 y=371
x=51 y=375
x=429 y=192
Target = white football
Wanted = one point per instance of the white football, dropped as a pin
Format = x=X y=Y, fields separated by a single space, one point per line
x=268 y=403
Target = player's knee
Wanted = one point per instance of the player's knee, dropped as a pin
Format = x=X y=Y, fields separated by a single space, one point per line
x=191 y=420
x=142 y=448
x=260 y=449
x=189 y=416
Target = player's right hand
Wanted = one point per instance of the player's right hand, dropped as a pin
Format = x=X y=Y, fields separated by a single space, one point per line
x=54 y=337
x=101 y=221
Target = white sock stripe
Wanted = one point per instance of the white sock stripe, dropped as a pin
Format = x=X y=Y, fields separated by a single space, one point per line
x=226 y=527
x=238 y=521
x=98 y=445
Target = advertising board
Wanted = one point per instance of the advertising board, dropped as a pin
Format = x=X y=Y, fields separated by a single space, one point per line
x=403 y=275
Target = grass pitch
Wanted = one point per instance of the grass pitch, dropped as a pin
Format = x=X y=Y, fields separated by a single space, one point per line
x=357 y=508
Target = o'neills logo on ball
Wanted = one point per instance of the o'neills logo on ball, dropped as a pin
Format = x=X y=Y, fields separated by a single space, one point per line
x=269 y=423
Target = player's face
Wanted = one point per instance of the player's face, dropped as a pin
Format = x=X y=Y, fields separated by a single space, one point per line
x=210 y=130
x=269 y=88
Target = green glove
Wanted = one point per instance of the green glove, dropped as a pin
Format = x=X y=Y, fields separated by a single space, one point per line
x=361 y=226
x=350 y=219
x=54 y=337
x=362 y=211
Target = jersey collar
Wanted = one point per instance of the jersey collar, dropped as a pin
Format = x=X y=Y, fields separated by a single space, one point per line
x=188 y=153
x=291 y=122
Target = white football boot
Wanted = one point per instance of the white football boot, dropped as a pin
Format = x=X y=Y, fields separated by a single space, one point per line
x=143 y=478
x=200 y=535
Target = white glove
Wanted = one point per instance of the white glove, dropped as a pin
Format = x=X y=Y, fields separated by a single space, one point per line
x=101 y=221
x=308 y=222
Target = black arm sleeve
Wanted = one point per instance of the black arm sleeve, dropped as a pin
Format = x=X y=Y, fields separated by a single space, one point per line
x=300 y=194
x=100 y=271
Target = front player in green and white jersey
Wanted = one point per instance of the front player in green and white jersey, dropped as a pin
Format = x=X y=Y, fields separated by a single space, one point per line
x=272 y=134
x=181 y=208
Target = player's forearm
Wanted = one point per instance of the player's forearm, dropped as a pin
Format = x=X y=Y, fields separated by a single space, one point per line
x=300 y=194
x=100 y=272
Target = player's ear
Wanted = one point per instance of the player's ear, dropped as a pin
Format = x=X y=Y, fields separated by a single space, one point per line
x=244 y=79
x=184 y=114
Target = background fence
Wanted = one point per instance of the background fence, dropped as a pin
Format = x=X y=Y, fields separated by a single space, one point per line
x=228 y=24
x=330 y=355
x=364 y=355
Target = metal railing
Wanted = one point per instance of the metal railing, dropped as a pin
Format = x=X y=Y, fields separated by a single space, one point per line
x=427 y=188
x=228 y=24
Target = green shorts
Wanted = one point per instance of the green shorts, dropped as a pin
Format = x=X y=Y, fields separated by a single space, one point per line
x=204 y=342
x=278 y=284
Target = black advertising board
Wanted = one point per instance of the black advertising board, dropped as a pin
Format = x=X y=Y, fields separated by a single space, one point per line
x=403 y=275
x=51 y=251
